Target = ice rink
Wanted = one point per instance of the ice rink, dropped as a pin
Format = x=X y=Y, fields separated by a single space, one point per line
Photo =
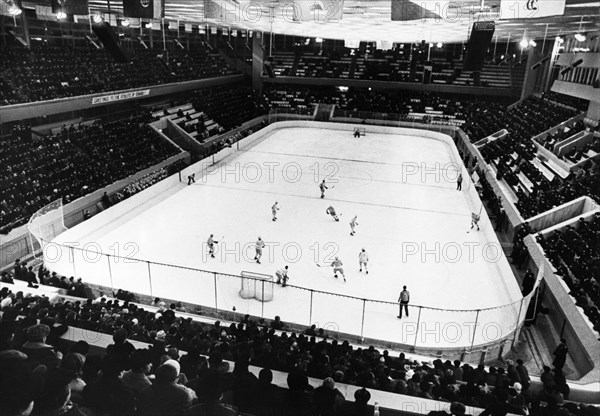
x=412 y=222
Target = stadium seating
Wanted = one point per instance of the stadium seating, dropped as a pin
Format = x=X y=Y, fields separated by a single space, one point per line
x=76 y=161
x=384 y=66
x=47 y=72
x=574 y=252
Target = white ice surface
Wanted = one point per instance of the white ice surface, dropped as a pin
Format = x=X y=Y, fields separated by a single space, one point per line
x=412 y=222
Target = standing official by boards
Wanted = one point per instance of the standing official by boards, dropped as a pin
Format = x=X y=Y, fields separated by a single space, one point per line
x=404 y=298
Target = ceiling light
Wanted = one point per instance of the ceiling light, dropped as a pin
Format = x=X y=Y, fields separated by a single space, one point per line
x=97 y=18
x=559 y=39
x=524 y=43
x=125 y=22
x=579 y=37
x=532 y=43
x=13 y=9
x=61 y=15
x=439 y=44
x=149 y=25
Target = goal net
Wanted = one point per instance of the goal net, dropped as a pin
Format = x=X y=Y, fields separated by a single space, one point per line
x=47 y=223
x=360 y=130
x=258 y=286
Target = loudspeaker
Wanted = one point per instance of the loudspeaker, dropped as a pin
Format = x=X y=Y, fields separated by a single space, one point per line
x=481 y=36
x=269 y=70
x=110 y=40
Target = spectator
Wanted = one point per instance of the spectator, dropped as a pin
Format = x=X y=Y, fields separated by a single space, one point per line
x=140 y=365
x=36 y=349
x=109 y=395
x=244 y=385
x=19 y=386
x=327 y=398
x=209 y=399
x=360 y=405
x=72 y=364
x=560 y=355
x=122 y=349
x=165 y=397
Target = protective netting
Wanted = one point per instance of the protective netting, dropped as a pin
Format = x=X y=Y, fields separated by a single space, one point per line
x=47 y=223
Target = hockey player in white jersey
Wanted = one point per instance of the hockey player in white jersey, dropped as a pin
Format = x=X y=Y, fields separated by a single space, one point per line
x=363 y=259
x=337 y=267
x=274 y=210
x=282 y=276
x=260 y=244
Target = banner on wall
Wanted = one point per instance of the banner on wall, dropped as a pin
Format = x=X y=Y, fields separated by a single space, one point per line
x=118 y=97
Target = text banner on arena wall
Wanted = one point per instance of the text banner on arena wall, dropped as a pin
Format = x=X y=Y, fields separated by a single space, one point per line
x=531 y=9
x=118 y=97
x=145 y=9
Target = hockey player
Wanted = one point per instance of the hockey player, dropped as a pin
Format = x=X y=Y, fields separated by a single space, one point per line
x=353 y=224
x=331 y=211
x=475 y=220
x=363 y=259
x=274 y=210
x=260 y=244
x=337 y=267
x=322 y=186
x=282 y=276
x=211 y=245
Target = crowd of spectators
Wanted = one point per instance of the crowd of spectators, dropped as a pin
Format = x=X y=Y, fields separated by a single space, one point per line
x=574 y=102
x=529 y=118
x=575 y=253
x=394 y=65
x=72 y=163
x=46 y=72
x=513 y=155
x=161 y=380
x=561 y=134
x=584 y=182
x=360 y=102
x=230 y=106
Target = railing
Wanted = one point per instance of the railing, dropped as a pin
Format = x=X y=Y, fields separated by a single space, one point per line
x=428 y=328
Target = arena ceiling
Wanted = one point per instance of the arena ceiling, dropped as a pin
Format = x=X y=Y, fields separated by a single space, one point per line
x=370 y=20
